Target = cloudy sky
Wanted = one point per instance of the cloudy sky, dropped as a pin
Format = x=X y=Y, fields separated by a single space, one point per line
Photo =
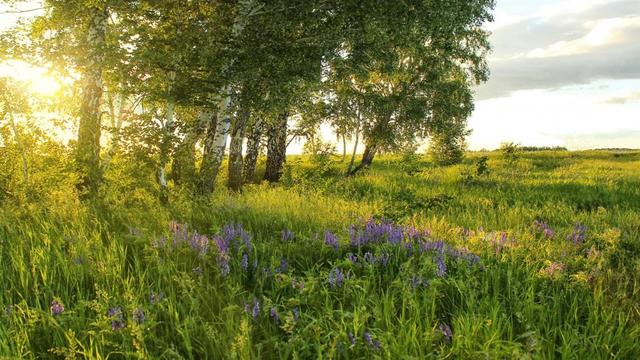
x=563 y=72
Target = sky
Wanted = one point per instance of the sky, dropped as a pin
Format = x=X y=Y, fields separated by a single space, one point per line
x=563 y=73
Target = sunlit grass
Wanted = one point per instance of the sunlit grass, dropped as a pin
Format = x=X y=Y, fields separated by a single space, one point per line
x=532 y=296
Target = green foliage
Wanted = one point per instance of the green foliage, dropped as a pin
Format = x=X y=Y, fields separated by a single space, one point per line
x=535 y=295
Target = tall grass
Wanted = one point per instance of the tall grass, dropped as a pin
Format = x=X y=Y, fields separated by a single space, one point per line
x=534 y=294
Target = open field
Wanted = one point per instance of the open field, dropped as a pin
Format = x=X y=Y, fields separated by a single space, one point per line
x=539 y=258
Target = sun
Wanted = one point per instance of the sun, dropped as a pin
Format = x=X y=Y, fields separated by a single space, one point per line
x=38 y=79
x=44 y=85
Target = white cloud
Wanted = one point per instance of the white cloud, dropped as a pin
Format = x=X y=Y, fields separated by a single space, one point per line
x=603 y=32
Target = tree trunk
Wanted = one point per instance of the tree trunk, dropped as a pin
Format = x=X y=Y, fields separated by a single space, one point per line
x=253 y=147
x=276 y=148
x=208 y=156
x=367 y=157
x=88 y=148
x=353 y=154
x=16 y=137
x=235 y=152
x=165 y=145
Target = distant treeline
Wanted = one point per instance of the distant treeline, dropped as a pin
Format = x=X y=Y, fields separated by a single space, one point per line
x=542 y=148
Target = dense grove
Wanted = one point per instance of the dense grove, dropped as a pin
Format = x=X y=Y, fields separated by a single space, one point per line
x=534 y=255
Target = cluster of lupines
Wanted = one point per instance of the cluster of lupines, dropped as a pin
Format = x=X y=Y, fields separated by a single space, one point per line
x=375 y=232
x=446 y=331
x=578 y=235
x=253 y=310
x=229 y=241
x=155 y=298
x=56 y=307
x=543 y=228
x=501 y=243
x=418 y=281
x=117 y=318
x=336 y=278
x=138 y=315
x=374 y=344
x=273 y=312
x=287 y=235
x=331 y=240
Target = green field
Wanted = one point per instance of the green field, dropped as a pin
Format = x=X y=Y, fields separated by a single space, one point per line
x=538 y=258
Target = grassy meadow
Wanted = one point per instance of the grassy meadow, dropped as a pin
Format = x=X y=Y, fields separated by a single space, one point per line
x=538 y=257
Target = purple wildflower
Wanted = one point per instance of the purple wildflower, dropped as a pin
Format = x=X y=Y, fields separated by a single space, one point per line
x=352 y=339
x=287 y=235
x=256 y=309
x=117 y=319
x=352 y=258
x=441 y=266
x=370 y=258
x=544 y=228
x=244 y=263
x=331 y=240
x=336 y=278
x=224 y=266
x=369 y=340
x=578 y=235
x=283 y=266
x=156 y=298
x=56 y=308
x=446 y=331
x=199 y=243
x=274 y=315
x=296 y=313
x=383 y=259
x=138 y=315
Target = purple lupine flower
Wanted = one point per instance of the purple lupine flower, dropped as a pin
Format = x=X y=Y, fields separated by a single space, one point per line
x=56 y=307
x=331 y=240
x=296 y=313
x=441 y=267
x=352 y=258
x=244 y=263
x=255 y=311
x=336 y=278
x=436 y=246
x=500 y=245
x=413 y=233
x=224 y=266
x=199 y=243
x=352 y=339
x=180 y=232
x=222 y=245
x=287 y=235
x=283 y=266
x=354 y=237
x=369 y=340
x=138 y=315
x=274 y=315
x=543 y=228
x=156 y=298
x=370 y=258
x=394 y=235
x=578 y=235
x=383 y=259
x=409 y=247
x=117 y=319
x=446 y=331
x=159 y=242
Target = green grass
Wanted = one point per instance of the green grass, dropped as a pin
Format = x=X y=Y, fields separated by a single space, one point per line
x=514 y=304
